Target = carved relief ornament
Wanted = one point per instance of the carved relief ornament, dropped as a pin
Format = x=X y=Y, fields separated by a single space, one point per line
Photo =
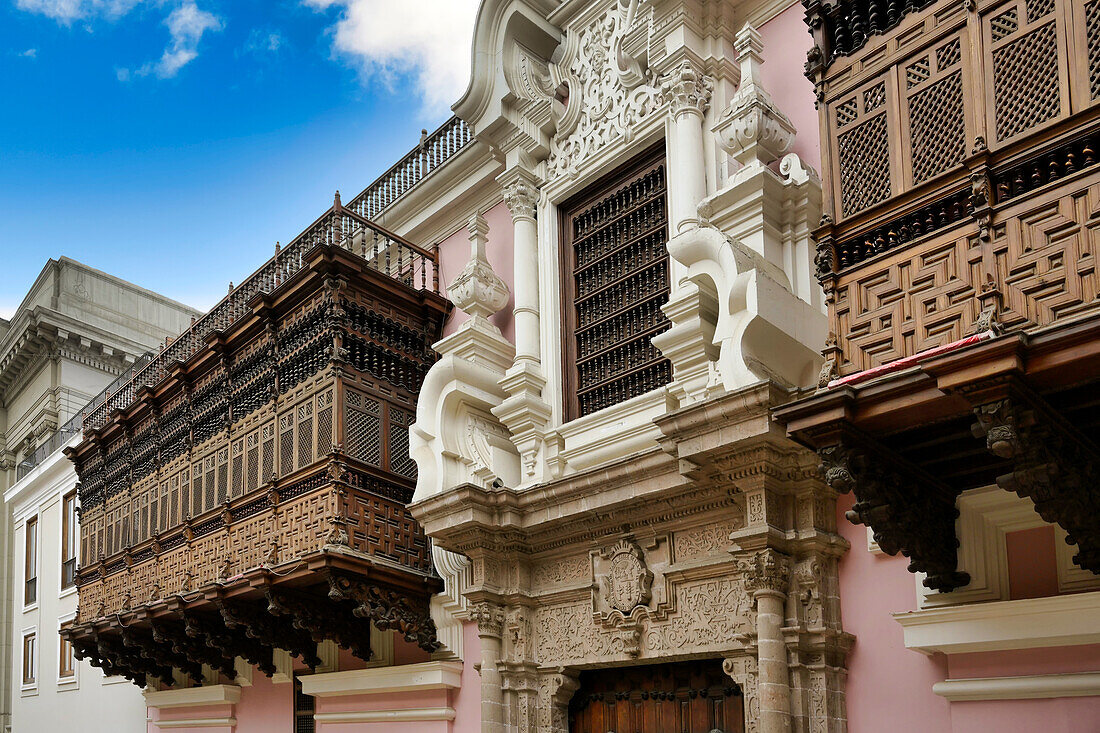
x=628 y=580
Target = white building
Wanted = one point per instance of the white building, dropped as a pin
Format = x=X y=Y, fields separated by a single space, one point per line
x=76 y=331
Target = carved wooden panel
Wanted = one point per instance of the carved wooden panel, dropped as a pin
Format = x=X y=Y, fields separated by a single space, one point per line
x=926 y=296
x=684 y=697
x=614 y=238
x=862 y=146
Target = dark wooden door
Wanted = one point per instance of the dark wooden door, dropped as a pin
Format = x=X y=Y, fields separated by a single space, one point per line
x=685 y=697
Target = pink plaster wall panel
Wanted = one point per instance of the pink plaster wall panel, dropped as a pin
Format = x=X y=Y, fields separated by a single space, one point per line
x=454 y=253
x=1058 y=715
x=1017 y=662
x=405 y=652
x=195 y=713
x=467 y=699
x=889 y=687
x=1032 y=565
x=266 y=707
x=786 y=42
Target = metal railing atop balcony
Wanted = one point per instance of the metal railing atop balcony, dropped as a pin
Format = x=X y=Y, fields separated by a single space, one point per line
x=433 y=151
x=383 y=250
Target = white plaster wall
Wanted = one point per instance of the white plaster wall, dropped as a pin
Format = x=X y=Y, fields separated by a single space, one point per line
x=91 y=703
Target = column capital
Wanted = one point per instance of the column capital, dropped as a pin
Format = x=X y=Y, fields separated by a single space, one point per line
x=766 y=572
x=521 y=193
x=489 y=618
x=687 y=88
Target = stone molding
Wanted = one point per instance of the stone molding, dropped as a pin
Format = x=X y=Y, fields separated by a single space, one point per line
x=436 y=675
x=193 y=697
x=1027 y=687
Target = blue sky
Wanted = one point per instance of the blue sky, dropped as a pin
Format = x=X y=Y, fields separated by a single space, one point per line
x=172 y=142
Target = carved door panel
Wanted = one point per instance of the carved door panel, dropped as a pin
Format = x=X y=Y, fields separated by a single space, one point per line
x=686 y=697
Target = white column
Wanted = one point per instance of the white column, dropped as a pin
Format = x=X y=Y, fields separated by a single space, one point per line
x=521 y=198
x=688 y=91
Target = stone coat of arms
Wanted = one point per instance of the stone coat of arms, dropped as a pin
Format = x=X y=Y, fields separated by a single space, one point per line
x=627 y=583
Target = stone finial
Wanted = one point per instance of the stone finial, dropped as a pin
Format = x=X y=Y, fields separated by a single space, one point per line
x=478 y=290
x=753 y=129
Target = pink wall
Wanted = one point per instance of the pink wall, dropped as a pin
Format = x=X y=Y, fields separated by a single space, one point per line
x=786 y=42
x=884 y=678
x=886 y=681
x=195 y=713
x=468 y=697
x=454 y=252
x=1032 y=563
x=266 y=707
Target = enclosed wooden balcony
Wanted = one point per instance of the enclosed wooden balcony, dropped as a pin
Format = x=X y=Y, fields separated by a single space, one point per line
x=247 y=491
x=962 y=144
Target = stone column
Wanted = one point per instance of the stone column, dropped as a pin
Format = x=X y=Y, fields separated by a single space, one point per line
x=525 y=413
x=490 y=629
x=521 y=197
x=688 y=90
x=767 y=577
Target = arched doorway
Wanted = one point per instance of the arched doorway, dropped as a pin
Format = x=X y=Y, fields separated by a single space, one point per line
x=683 y=697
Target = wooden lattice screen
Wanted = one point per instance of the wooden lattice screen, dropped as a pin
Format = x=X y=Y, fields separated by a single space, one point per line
x=614 y=239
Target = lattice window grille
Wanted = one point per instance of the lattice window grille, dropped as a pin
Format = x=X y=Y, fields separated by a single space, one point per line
x=1025 y=81
x=364 y=433
x=252 y=467
x=196 y=490
x=1092 y=37
x=305 y=441
x=1038 y=9
x=846 y=113
x=174 y=502
x=874 y=97
x=400 y=462
x=210 y=496
x=1004 y=25
x=286 y=444
x=948 y=55
x=324 y=431
x=937 y=127
x=864 y=165
x=223 y=475
x=162 y=522
x=917 y=72
x=237 y=484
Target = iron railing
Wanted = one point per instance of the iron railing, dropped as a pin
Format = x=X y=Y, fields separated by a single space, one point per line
x=383 y=250
x=433 y=151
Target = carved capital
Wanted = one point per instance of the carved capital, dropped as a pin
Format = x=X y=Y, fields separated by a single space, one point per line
x=521 y=196
x=489 y=618
x=687 y=88
x=767 y=571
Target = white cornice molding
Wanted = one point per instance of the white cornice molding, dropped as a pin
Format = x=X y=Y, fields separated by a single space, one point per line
x=999 y=625
x=768 y=10
x=193 y=697
x=1030 y=687
x=387 y=716
x=196 y=723
x=439 y=675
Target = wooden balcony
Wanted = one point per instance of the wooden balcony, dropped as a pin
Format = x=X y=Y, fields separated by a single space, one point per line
x=251 y=495
x=962 y=143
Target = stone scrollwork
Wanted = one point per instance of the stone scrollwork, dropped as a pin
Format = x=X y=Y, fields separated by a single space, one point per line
x=489 y=617
x=766 y=571
x=607 y=99
x=521 y=196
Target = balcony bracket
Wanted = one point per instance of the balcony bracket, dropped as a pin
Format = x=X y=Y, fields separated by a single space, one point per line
x=908 y=510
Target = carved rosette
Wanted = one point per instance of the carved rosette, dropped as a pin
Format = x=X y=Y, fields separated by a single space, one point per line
x=687 y=89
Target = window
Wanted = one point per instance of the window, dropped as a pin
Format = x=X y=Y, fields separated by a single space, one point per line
x=30 y=587
x=68 y=540
x=67 y=663
x=30 y=658
x=303 y=710
x=614 y=240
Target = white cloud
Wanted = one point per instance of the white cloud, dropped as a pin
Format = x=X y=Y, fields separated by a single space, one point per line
x=186 y=25
x=429 y=39
x=30 y=53
x=66 y=11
